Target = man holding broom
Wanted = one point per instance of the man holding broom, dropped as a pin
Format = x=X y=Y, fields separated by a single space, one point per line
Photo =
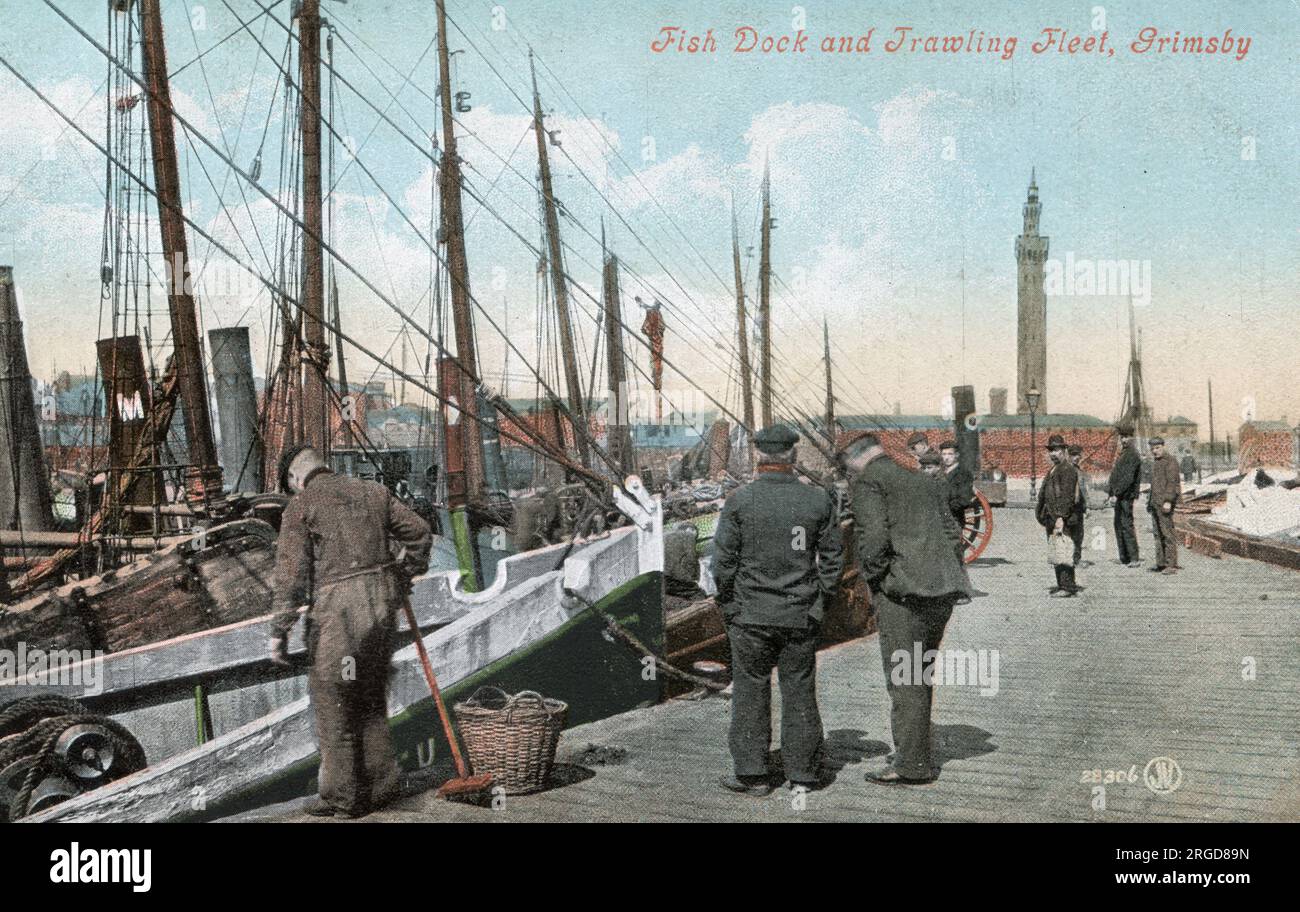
x=348 y=549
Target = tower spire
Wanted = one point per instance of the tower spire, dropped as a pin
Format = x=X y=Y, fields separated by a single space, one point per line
x=1031 y=304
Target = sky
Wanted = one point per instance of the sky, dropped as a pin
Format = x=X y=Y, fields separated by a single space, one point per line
x=893 y=176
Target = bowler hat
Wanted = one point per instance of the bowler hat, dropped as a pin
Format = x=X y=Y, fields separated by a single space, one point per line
x=916 y=438
x=930 y=459
x=1056 y=442
x=1076 y=450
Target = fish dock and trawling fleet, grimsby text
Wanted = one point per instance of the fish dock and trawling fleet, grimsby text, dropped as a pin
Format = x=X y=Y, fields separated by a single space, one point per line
x=902 y=40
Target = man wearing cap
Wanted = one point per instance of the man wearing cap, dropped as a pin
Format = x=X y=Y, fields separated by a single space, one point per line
x=348 y=550
x=908 y=550
x=918 y=444
x=1057 y=512
x=961 y=483
x=1166 y=488
x=1122 y=489
x=931 y=465
x=777 y=560
x=1081 y=507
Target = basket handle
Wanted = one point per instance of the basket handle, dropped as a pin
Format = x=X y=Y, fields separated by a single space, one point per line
x=506 y=699
x=526 y=696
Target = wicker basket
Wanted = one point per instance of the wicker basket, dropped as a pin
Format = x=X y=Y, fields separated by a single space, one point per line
x=512 y=737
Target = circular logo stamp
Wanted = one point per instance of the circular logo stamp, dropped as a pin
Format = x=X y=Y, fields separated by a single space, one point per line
x=1163 y=775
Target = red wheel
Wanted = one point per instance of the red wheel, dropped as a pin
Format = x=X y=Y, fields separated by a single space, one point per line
x=976 y=528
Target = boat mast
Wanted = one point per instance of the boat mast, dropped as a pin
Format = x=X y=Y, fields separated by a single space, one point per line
x=742 y=325
x=316 y=352
x=620 y=442
x=466 y=485
x=830 y=388
x=204 y=474
x=569 y=356
x=765 y=304
x=1209 y=393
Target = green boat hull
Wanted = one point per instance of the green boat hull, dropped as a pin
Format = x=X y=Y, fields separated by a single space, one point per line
x=578 y=662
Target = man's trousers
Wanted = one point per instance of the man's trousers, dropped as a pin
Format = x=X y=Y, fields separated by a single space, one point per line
x=350 y=643
x=905 y=627
x=1125 y=535
x=755 y=651
x=1166 y=542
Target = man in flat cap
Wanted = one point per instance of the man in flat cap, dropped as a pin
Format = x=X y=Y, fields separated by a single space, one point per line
x=1057 y=512
x=777 y=560
x=961 y=483
x=909 y=553
x=1122 y=490
x=348 y=550
x=918 y=444
x=1166 y=489
x=931 y=465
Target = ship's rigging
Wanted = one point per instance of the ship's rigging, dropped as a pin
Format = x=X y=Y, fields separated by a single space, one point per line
x=288 y=310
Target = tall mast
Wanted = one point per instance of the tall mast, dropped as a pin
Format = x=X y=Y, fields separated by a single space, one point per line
x=315 y=413
x=204 y=475
x=453 y=225
x=570 y=358
x=1209 y=392
x=830 y=388
x=742 y=325
x=765 y=304
x=620 y=442
x=341 y=369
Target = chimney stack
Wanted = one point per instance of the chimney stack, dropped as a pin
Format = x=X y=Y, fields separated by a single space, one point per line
x=25 y=501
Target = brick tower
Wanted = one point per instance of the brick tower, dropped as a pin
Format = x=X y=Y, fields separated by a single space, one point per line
x=1031 y=307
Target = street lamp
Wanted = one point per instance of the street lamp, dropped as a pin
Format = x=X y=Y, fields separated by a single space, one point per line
x=1031 y=399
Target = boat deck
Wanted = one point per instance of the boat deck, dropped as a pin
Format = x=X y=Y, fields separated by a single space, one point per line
x=1140 y=666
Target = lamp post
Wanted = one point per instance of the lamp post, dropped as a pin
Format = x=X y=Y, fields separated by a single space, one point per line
x=1031 y=399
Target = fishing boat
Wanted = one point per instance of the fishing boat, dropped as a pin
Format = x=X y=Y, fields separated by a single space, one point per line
x=153 y=617
x=542 y=625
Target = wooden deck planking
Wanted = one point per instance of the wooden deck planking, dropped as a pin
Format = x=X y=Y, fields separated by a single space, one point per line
x=1139 y=666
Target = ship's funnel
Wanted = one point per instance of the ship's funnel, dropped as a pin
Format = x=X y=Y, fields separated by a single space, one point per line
x=25 y=502
x=232 y=374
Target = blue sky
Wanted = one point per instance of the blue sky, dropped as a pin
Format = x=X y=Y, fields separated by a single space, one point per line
x=891 y=174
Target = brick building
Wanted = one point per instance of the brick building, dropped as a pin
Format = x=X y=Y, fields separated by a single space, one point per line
x=1266 y=444
x=1005 y=440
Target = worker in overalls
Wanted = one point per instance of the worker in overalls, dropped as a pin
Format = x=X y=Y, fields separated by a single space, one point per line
x=348 y=549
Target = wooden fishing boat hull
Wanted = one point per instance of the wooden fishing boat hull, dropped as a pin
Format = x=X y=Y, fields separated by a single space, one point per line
x=524 y=632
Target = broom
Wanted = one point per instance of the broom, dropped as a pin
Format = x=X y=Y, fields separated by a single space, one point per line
x=464 y=787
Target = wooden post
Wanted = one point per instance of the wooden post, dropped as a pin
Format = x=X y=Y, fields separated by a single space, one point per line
x=765 y=305
x=830 y=387
x=204 y=476
x=315 y=405
x=619 y=437
x=1209 y=391
x=453 y=227
x=742 y=326
x=577 y=405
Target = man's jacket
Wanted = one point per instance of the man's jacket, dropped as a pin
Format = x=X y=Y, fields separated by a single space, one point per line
x=1166 y=482
x=1058 y=498
x=907 y=540
x=348 y=535
x=1126 y=476
x=777 y=554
